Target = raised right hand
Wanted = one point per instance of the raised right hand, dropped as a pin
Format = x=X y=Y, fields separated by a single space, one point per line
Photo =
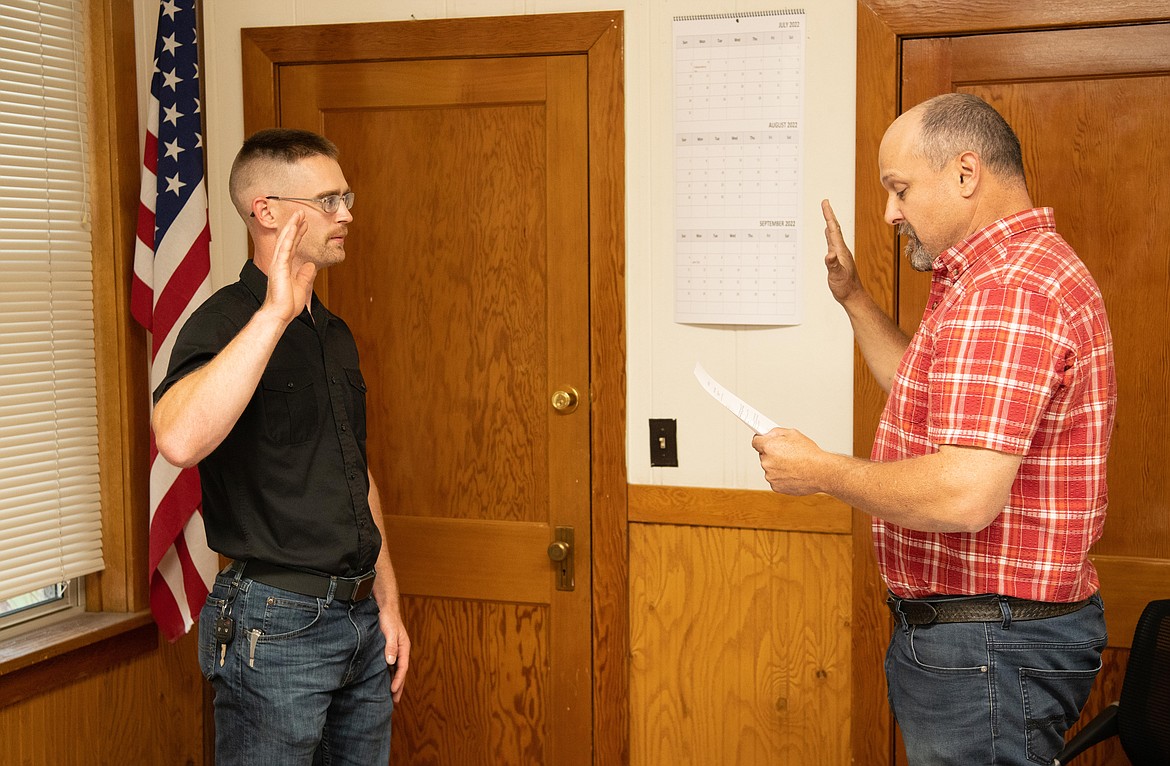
x=289 y=286
x=843 y=279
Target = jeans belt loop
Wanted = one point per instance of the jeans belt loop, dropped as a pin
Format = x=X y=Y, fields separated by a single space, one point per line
x=1006 y=609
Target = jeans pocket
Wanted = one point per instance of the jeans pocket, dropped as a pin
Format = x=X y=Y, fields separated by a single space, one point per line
x=283 y=637
x=286 y=618
x=1052 y=704
x=937 y=651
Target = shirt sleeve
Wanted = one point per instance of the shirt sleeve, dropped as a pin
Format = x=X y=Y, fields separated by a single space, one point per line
x=203 y=336
x=999 y=359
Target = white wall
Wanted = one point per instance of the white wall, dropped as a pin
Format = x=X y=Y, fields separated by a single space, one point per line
x=801 y=376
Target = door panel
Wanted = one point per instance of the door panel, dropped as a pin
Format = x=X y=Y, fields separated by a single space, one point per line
x=466 y=284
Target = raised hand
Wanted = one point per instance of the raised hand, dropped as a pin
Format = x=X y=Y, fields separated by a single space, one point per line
x=843 y=279
x=290 y=286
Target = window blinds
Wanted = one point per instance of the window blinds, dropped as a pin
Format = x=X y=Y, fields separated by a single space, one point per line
x=50 y=514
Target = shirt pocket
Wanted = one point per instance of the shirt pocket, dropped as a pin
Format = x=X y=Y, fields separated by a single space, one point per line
x=357 y=397
x=289 y=401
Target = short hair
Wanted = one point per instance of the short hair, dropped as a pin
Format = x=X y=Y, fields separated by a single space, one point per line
x=954 y=123
x=272 y=146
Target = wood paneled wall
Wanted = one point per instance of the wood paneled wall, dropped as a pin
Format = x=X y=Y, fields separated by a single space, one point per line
x=740 y=605
x=147 y=709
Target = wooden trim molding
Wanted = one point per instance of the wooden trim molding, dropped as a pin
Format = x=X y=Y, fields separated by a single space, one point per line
x=607 y=369
x=120 y=343
x=598 y=36
x=914 y=18
x=738 y=508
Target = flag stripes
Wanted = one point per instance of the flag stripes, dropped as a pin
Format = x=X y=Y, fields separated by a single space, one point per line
x=172 y=276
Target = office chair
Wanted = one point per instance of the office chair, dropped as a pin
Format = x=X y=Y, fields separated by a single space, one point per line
x=1141 y=718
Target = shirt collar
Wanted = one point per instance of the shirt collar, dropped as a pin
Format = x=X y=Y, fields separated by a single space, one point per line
x=951 y=263
x=257 y=283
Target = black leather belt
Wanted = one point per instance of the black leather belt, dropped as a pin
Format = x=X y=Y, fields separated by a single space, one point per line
x=976 y=609
x=306 y=583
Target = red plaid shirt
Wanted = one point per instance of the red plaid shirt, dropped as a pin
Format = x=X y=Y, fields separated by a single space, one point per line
x=1014 y=354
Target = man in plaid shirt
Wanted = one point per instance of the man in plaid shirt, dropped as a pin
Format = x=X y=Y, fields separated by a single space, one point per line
x=987 y=478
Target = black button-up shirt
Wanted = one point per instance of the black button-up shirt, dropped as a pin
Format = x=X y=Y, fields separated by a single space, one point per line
x=288 y=485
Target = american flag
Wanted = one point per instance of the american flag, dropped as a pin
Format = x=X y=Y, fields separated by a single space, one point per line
x=172 y=276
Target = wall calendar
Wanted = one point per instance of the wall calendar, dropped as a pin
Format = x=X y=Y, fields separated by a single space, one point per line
x=738 y=157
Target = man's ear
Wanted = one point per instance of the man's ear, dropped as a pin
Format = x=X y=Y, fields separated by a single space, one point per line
x=970 y=170
x=262 y=212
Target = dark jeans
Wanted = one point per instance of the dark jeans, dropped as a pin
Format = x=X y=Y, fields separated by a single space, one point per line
x=303 y=681
x=992 y=693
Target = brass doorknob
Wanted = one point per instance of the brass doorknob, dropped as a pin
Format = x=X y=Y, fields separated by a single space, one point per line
x=565 y=400
x=558 y=551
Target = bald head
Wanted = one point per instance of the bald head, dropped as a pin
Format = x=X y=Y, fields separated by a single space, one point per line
x=953 y=123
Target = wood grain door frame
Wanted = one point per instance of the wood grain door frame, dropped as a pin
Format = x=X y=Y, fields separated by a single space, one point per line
x=599 y=37
x=882 y=26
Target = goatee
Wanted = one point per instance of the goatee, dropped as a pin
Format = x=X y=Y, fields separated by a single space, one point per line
x=920 y=259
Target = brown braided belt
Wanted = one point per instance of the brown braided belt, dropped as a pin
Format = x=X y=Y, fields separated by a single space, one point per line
x=977 y=609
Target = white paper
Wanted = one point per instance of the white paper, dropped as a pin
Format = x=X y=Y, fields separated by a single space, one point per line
x=756 y=420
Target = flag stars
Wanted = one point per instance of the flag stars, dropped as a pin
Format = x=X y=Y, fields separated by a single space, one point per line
x=169 y=9
x=170 y=44
x=172 y=115
x=171 y=80
x=174 y=184
x=173 y=149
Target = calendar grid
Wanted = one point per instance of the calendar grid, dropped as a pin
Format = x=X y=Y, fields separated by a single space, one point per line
x=739 y=82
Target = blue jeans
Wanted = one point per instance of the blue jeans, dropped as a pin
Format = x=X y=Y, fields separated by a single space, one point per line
x=303 y=680
x=993 y=693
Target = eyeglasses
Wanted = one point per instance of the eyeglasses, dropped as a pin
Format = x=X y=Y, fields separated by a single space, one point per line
x=328 y=203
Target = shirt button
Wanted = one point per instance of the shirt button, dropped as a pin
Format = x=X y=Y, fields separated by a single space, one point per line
x=291 y=384
x=343 y=429
x=333 y=379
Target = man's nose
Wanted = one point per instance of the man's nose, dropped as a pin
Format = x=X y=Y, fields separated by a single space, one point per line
x=893 y=213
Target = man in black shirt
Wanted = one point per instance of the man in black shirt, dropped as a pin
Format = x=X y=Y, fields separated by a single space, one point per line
x=265 y=394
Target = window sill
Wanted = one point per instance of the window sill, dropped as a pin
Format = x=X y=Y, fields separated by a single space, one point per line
x=71 y=649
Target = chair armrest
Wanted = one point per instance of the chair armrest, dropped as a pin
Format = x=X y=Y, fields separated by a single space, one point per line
x=1101 y=728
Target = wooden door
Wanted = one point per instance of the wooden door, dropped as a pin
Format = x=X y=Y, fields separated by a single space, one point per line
x=270 y=56
x=1087 y=105
x=467 y=287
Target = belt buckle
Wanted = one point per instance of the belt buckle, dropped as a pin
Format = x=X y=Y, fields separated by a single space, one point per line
x=364 y=588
